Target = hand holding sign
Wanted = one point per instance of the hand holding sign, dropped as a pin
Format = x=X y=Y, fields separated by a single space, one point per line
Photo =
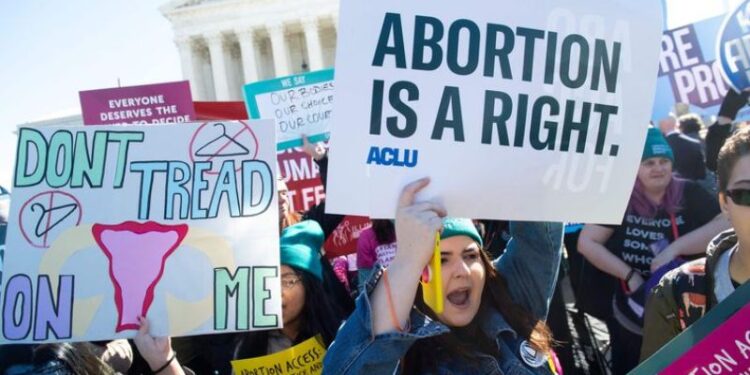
x=156 y=351
x=316 y=151
x=417 y=224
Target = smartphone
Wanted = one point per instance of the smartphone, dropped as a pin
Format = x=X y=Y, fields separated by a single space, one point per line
x=432 y=280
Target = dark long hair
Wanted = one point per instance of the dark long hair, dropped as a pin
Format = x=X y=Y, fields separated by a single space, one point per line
x=72 y=358
x=385 y=231
x=458 y=343
x=320 y=316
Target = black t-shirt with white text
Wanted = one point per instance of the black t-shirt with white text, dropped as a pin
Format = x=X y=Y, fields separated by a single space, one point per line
x=639 y=238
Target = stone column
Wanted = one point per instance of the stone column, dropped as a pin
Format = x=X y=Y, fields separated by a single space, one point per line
x=215 y=43
x=278 y=45
x=187 y=61
x=247 y=50
x=335 y=19
x=312 y=39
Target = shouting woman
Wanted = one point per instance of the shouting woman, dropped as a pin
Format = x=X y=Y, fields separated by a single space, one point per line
x=493 y=315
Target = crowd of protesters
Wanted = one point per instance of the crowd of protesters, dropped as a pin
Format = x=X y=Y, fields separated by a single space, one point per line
x=688 y=219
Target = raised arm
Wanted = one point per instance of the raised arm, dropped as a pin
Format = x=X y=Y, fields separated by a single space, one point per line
x=157 y=351
x=384 y=324
x=531 y=262
x=722 y=128
x=328 y=222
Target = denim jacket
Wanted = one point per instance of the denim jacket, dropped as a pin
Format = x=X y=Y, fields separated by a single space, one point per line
x=530 y=265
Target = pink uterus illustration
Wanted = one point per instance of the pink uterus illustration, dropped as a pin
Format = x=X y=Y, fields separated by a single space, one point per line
x=137 y=253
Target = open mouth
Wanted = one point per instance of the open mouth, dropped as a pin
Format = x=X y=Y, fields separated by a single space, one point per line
x=459 y=297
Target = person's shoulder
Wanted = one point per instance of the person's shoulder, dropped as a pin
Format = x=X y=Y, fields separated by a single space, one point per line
x=672 y=138
x=683 y=141
x=367 y=235
x=686 y=284
x=688 y=140
x=692 y=188
x=689 y=269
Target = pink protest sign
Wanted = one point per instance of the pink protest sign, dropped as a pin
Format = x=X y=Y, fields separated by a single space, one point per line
x=148 y=104
x=725 y=351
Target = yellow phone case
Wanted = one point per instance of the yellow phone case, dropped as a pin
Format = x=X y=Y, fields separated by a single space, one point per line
x=432 y=280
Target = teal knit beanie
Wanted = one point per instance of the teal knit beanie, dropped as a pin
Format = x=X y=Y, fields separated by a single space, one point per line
x=453 y=226
x=656 y=146
x=300 y=247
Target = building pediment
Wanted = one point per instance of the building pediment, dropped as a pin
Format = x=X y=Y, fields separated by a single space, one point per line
x=175 y=6
x=178 y=4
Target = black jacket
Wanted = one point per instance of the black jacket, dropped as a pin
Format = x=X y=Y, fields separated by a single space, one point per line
x=715 y=138
x=688 y=156
x=683 y=296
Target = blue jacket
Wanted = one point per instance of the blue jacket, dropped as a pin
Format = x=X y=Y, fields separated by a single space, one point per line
x=530 y=265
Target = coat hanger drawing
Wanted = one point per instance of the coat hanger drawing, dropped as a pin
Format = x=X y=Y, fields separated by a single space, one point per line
x=45 y=212
x=228 y=140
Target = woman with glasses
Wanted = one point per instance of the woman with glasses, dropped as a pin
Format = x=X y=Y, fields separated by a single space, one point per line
x=686 y=294
x=307 y=309
x=667 y=218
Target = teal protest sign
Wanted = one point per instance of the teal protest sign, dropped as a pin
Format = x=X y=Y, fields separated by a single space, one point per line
x=300 y=104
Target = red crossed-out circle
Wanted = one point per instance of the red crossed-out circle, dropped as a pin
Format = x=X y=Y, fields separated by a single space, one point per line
x=22 y=214
x=233 y=134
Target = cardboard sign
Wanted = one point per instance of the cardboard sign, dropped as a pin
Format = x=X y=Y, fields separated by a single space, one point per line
x=689 y=72
x=300 y=104
x=718 y=343
x=147 y=104
x=733 y=49
x=179 y=224
x=298 y=170
x=523 y=113
x=302 y=177
x=305 y=358
x=344 y=238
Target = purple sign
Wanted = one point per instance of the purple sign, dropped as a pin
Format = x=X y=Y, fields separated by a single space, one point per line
x=693 y=79
x=725 y=351
x=148 y=104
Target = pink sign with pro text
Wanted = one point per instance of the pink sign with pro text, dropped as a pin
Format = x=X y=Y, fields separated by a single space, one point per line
x=148 y=104
x=725 y=351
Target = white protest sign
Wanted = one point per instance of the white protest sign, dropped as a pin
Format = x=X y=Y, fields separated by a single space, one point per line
x=533 y=112
x=300 y=104
x=179 y=224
